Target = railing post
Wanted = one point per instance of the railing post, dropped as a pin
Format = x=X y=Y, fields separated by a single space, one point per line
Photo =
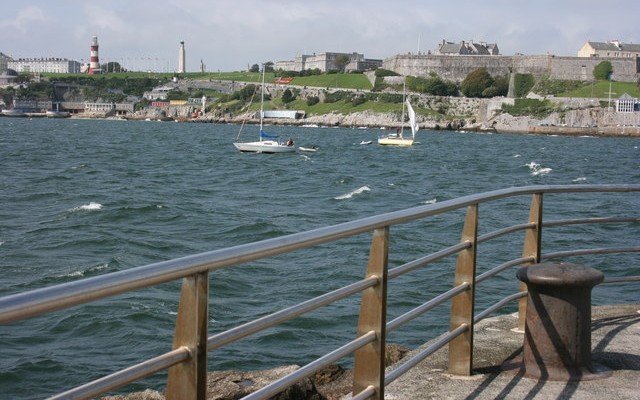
x=189 y=379
x=461 y=348
x=531 y=248
x=369 y=360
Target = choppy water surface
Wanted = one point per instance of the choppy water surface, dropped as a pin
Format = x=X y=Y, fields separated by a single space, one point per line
x=81 y=198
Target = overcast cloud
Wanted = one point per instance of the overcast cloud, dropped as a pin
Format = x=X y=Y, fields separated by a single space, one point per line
x=230 y=35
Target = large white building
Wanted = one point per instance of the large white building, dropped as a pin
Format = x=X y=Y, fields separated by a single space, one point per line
x=37 y=65
x=327 y=62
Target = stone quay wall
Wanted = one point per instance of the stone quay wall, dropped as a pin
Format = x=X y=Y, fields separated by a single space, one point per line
x=456 y=68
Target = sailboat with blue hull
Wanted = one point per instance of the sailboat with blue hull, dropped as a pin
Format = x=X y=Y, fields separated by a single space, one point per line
x=267 y=143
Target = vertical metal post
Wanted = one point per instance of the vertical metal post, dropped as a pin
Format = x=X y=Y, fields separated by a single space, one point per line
x=369 y=360
x=461 y=348
x=531 y=248
x=189 y=379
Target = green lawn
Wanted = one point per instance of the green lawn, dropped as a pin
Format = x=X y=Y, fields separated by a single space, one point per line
x=600 y=89
x=332 y=81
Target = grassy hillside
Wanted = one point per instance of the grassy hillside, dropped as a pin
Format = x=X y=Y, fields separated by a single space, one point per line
x=600 y=89
x=345 y=81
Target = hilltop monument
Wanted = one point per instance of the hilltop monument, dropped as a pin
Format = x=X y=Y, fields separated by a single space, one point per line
x=181 y=59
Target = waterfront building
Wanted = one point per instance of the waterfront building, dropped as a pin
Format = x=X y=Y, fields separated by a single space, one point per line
x=627 y=104
x=614 y=48
x=158 y=93
x=469 y=48
x=7 y=77
x=38 y=65
x=327 y=62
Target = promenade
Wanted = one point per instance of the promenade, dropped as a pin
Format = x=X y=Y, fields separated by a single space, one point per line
x=615 y=341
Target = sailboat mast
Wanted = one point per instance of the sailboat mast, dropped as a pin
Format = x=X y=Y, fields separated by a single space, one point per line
x=262 y=102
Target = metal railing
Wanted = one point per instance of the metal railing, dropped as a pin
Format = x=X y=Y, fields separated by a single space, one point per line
x=187 y=362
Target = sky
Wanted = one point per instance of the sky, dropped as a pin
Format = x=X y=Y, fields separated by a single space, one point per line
x=234 y=34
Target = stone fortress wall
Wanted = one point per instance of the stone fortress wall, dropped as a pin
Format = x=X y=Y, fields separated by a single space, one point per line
x=456 y=68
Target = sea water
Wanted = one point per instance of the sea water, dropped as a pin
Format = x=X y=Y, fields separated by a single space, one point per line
x=80 y=198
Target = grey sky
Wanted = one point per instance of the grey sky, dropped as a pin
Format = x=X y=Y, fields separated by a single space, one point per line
x=229 y=35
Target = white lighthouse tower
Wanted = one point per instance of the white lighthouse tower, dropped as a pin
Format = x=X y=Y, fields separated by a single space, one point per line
x=94 y=62
x=181 y=59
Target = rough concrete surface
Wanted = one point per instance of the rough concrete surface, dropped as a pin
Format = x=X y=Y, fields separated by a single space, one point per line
x=615 y=341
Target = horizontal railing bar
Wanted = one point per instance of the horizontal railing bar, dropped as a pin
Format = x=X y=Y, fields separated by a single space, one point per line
x=622 y=279
x=413 y=361
x=286 y=314
x=276 y=387
x=504 y=231
x=581 y=252
x=423 y=308
x=547 y=224
x=490 y=310
x=502 y=267
x=40 y=301
x=125 y=376
x=365 y=394
x=417 y=263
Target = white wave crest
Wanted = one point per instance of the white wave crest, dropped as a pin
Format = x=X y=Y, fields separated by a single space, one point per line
x=580 y=179
x=353 y=193
x=93 y=206
x=432 y=201
x=536 y=169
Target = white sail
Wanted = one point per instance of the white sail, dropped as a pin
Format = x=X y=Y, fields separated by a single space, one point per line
x=412 y=119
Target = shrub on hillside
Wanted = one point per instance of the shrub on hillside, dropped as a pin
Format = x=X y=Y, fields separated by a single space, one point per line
x=523 y=84
x=532 y=107
x=313 y=100
x=603 y=71
x=547 y=86
x=433 y=85
x=381 y=72
x=476 y=82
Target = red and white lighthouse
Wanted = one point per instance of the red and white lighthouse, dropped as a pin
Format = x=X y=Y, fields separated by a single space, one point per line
x=94 y=63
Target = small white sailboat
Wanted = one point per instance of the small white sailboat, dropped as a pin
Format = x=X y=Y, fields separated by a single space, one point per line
x=267 y=143
x=397 y=139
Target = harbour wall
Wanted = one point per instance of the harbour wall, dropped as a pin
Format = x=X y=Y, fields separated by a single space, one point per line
x=456 y=68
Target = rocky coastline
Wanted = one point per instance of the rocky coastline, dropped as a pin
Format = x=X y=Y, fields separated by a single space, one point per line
x=584 y=122
x=330 y=383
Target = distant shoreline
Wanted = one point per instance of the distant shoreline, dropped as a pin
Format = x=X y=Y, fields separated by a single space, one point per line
x=382 y=122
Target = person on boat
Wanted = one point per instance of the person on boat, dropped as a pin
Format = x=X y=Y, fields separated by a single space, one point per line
x=289 y=142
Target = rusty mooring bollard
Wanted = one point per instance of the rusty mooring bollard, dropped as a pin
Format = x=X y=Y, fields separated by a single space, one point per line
x=557 y=341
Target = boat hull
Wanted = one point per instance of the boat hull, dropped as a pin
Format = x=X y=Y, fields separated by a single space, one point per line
x=395 y=141
x=13 y=113
x=57 y=114
x=265 y=146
